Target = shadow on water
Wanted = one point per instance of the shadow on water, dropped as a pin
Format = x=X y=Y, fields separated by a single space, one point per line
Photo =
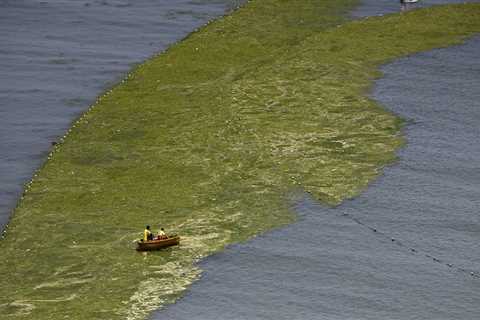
x=406 y=248
x=57 y=56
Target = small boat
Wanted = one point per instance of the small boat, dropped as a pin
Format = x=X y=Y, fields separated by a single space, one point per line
x=158 y=244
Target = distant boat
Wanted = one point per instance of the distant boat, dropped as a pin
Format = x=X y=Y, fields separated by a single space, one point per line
x=158 y=244
x=410 y=1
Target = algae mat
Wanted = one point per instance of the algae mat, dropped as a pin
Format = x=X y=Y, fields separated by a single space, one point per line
x=207 y=140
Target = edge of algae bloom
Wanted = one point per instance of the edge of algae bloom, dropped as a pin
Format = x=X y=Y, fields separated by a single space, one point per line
x=206 y=140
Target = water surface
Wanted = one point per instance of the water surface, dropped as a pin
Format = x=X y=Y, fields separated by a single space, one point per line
x=381 y=7
x=407 y=248
x=56 y=56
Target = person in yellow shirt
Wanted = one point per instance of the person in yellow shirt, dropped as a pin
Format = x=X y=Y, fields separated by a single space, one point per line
x=162 y=234
x=147 y=234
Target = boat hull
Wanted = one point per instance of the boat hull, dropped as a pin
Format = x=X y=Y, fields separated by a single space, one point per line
x=158 y=244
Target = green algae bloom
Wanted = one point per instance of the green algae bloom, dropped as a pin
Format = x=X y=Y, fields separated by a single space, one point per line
x=208 y=140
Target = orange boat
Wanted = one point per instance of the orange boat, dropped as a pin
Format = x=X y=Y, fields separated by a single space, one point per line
x=158 y=244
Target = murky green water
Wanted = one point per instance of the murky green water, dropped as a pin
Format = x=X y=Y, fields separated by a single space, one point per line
x=207 y=141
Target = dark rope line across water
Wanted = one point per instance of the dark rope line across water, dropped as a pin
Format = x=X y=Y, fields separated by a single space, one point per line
x=412 y=249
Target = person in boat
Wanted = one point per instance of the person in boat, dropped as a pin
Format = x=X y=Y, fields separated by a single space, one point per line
x=147 y=234
x=161 y=234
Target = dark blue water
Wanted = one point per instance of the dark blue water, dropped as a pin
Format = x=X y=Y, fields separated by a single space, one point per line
x=407 y=248
x=381 y=7
x=56 y=56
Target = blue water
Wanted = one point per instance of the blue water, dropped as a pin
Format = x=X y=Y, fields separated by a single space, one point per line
x=56 y=56
x=407 y=248
x=381 y=7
